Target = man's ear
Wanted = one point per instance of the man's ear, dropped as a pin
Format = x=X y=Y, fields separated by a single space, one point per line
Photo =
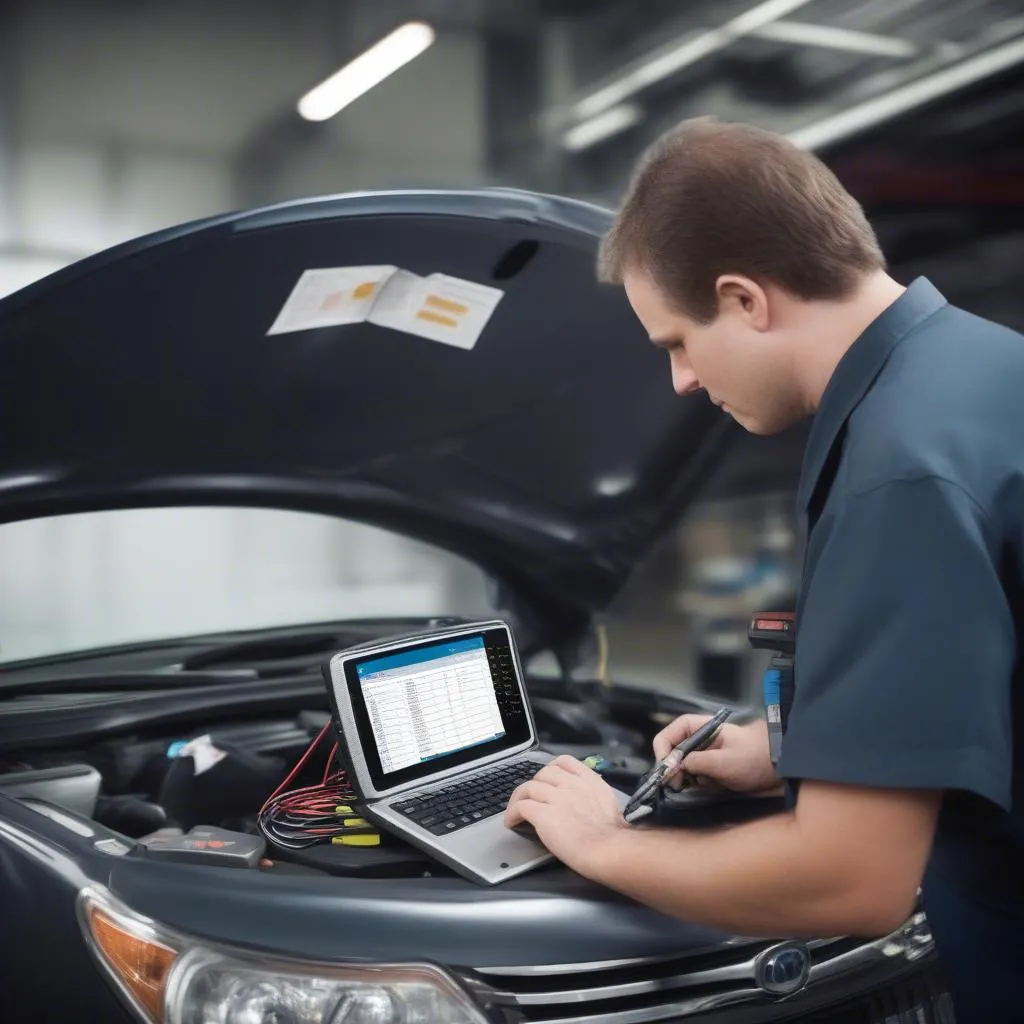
x=743 y=297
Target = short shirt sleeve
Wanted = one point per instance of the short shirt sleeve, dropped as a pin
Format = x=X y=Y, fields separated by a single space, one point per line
x=905 y=647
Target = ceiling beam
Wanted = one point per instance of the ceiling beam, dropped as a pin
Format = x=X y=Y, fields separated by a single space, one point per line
x=799 y=33
x=910 y=96
x=677 y=55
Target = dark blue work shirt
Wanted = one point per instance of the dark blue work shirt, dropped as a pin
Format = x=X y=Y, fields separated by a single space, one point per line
x=910 y=623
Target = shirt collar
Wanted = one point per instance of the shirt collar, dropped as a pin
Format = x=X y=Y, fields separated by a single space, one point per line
x=856 y=372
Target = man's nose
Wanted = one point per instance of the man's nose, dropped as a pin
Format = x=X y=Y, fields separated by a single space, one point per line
x=684 y=380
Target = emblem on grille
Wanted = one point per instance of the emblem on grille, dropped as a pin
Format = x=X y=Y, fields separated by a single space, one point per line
x=782 y=970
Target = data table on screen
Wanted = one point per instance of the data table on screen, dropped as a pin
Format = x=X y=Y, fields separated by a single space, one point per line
x=432 y=708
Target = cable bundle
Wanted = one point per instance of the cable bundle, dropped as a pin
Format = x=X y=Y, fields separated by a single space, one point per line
x=304 y=817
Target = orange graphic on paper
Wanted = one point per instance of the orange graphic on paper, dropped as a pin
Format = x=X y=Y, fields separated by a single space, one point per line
x=436 y=318
x=364 y=291
x=446 y=304
x=333 y=301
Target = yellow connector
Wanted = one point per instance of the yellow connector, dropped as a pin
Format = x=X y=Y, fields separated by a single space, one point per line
x=367 y=840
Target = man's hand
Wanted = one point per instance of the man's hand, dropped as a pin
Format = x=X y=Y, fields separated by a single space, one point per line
x=737 y=759
x=847 y=861
x=572 y=808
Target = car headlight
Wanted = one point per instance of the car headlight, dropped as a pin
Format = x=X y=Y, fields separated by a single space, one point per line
x=207 y=987
x=170 y=978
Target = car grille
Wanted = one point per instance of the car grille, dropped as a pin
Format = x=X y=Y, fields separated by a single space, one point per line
x=895 y=980
x=921 y=999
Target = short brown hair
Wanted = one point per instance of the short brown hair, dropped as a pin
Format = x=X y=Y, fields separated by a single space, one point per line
x=711 y=198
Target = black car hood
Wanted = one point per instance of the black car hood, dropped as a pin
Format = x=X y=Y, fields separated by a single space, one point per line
x=552 y=454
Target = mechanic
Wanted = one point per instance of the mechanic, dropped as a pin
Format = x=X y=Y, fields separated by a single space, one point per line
x=760 y=276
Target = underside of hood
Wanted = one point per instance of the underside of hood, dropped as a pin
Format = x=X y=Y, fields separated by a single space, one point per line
x=552 y=452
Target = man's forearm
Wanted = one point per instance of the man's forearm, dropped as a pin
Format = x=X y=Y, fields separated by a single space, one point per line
x=763 y=878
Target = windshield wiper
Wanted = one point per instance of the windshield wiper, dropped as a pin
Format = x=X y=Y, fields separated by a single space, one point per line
x=308 y=648
x=295 y=651
x=146 y=679
x=292 y=656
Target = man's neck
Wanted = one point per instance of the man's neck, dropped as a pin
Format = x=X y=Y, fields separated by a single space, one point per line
x=831 y=328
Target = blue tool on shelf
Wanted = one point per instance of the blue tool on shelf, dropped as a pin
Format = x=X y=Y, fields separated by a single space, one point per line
x=776 y=632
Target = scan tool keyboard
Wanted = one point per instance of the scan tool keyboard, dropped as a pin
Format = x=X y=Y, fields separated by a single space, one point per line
x=482 y=795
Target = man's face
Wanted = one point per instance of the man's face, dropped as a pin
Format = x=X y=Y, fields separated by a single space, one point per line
x=737 y=359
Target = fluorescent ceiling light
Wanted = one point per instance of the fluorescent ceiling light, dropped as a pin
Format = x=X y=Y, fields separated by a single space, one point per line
x=382 y=60
x=598 y=128
x=826 y=36
x=682 y=53
x=908 y=97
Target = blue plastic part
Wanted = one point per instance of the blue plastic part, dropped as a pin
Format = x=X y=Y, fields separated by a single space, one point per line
x=175 y=748
x=772 y=687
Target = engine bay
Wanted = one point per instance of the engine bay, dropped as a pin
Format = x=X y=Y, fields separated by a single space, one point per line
x=159 y=742
x=151 y=786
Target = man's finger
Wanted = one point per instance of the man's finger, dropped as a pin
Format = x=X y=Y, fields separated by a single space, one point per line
x=561 y=771
x=524 y=809
x=570 y=764
x=675 y=732
x=552 y=775
x=514 y=813
x=516 y=794
x=709 y=763
x=535 y=789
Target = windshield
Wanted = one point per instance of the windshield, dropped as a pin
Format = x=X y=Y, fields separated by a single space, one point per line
x=73 y=583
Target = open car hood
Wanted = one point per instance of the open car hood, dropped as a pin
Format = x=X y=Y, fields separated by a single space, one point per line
x=552 y=453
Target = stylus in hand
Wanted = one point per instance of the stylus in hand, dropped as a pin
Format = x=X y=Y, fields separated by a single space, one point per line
x=698 y=740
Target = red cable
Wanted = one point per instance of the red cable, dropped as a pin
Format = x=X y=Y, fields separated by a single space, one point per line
x=317 y=803
x=302 y=760
x=330 y=761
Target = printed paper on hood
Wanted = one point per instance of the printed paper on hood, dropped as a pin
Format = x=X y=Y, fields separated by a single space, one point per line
x=441 y=308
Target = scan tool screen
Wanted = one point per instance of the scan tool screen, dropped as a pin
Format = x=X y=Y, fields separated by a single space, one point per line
x=429 y=703
x=437 y=704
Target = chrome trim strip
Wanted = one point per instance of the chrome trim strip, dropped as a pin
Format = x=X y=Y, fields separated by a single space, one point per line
x=547 y=969
x=542 y=970
x=662 y=1011
x=869 y=954
x=736 y=973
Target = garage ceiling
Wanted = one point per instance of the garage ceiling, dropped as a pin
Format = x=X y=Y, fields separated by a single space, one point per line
x=219 y=82
x=195 y=76
x=820 y=70
x=205 y=77
x=167 y=76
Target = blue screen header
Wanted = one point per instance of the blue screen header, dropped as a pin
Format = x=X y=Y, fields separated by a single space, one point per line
x=442 y=650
